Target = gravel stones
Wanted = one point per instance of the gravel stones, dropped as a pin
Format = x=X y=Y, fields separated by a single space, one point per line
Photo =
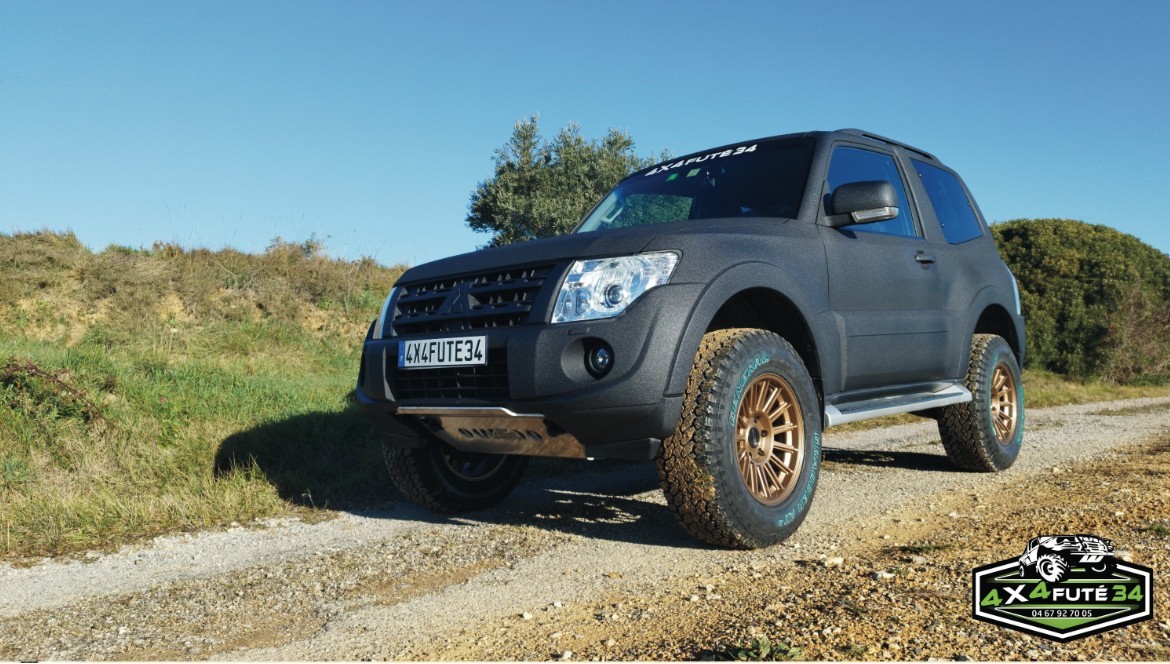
x=401 y=585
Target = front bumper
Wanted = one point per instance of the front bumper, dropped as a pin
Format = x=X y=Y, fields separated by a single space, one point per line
x=551 y=405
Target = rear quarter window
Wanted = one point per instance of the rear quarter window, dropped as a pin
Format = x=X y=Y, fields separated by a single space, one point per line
x=951 y=205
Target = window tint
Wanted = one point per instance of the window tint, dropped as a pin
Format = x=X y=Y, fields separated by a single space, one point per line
x=951 y=205
x=857 y=165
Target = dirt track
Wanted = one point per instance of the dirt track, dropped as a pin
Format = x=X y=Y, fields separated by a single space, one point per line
x=587 y=560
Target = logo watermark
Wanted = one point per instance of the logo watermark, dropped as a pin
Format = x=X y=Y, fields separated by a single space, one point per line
x=1063 y=587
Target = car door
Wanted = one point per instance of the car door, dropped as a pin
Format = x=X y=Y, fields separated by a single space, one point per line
x=885 y=288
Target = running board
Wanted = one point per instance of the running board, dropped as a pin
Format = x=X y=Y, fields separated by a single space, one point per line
x=906 y=403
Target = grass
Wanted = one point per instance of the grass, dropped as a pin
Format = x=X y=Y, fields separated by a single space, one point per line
x=149 y=391
x=146 y=392
x=1043 y=389
x=762 y=649
x=853 y=651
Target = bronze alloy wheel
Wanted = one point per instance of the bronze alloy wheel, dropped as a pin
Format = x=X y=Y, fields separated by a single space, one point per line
x=987 y=433
x=769 y=439
x=1004 y=404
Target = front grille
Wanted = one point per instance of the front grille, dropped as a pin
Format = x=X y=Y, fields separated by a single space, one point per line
x=501 y=298
x=488 y=381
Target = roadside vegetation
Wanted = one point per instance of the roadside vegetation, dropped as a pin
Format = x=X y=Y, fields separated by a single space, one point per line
x=151 y=391
x=162 y=390
x=1096 y=300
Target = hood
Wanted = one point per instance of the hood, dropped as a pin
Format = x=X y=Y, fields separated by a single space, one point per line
x=548 y=250
x=695 y=236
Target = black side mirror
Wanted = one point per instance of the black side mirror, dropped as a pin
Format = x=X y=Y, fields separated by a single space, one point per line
x=863 y=203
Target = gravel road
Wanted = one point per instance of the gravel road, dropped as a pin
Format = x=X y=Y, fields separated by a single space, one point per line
x=403 y=583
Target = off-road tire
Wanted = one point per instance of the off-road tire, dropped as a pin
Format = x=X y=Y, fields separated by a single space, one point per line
x=698 y=465
x=424 y=475
x=967 y=431
x=1052 y=568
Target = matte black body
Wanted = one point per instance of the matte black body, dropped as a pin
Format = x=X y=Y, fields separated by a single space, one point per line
x=870 y=314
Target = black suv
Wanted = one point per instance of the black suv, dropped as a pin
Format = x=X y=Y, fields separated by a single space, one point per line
x=714 y=313
x=1055 y=557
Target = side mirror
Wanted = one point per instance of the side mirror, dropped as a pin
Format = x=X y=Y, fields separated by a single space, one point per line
x=863 y=202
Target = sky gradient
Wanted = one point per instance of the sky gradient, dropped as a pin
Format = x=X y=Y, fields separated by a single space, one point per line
x=369 y=124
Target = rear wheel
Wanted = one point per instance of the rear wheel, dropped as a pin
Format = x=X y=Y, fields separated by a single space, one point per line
x=438 y=476
x=741 y=468
x=985 y=434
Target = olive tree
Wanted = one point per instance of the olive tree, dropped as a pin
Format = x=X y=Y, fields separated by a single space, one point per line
x=543 y=188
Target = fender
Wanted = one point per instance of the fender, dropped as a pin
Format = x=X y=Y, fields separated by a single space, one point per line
x=986 y=297
x=800 y=290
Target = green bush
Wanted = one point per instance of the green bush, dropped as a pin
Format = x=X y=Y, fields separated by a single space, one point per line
x=1096 y=301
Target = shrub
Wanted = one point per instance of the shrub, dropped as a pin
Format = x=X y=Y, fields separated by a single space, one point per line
x=1096 y=301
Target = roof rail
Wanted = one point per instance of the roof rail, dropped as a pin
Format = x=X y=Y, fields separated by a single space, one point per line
x=883 y=139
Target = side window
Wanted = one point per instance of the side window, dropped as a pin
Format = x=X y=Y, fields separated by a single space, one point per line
x=857 y=165
x=950 y=202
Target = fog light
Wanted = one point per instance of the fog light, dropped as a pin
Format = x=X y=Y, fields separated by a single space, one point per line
x=599 y=359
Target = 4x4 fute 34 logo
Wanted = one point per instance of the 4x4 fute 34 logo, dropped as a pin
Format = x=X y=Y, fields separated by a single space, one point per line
x=1063 y=587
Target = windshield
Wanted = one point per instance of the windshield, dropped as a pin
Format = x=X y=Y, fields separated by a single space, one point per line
x=764 y=179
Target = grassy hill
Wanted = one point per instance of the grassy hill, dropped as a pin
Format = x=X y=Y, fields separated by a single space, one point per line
x=144 y=392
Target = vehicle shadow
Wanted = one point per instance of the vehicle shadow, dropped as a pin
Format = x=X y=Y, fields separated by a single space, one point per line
x=594 y=499
x=328 y=460
x=890 y=459
x=333 y=460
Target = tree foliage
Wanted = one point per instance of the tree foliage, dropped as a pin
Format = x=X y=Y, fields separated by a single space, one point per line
x=1096 y=301
x=543 y=188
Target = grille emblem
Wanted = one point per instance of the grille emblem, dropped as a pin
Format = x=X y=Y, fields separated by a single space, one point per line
x=458 y=300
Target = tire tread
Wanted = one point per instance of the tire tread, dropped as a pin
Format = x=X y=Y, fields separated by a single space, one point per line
x=685 y=465
x=961 y=426
x=413 y=473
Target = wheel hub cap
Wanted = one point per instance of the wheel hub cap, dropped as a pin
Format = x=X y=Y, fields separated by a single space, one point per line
x=769 y=439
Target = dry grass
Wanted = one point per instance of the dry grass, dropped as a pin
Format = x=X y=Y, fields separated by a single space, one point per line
x=144 y=392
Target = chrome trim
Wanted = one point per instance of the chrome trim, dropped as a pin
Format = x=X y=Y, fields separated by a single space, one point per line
x=895 y=405
x=876 y=214
x=463 y=411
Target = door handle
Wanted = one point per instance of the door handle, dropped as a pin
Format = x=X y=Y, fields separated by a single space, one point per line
x=924 y=258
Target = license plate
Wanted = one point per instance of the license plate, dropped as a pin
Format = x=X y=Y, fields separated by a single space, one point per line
x=451 y=352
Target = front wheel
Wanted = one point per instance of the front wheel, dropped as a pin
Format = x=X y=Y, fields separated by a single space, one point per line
x=741 y=467
x=1052 y=568
x=985 y=434
x=438 y=476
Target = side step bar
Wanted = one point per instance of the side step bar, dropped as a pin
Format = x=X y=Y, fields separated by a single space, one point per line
x=906 y=403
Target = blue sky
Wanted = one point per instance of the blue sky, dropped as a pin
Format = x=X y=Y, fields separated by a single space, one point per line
x=369 y=123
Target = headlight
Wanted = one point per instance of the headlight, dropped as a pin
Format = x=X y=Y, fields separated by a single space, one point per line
x=381 y=322
x=604 y=287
